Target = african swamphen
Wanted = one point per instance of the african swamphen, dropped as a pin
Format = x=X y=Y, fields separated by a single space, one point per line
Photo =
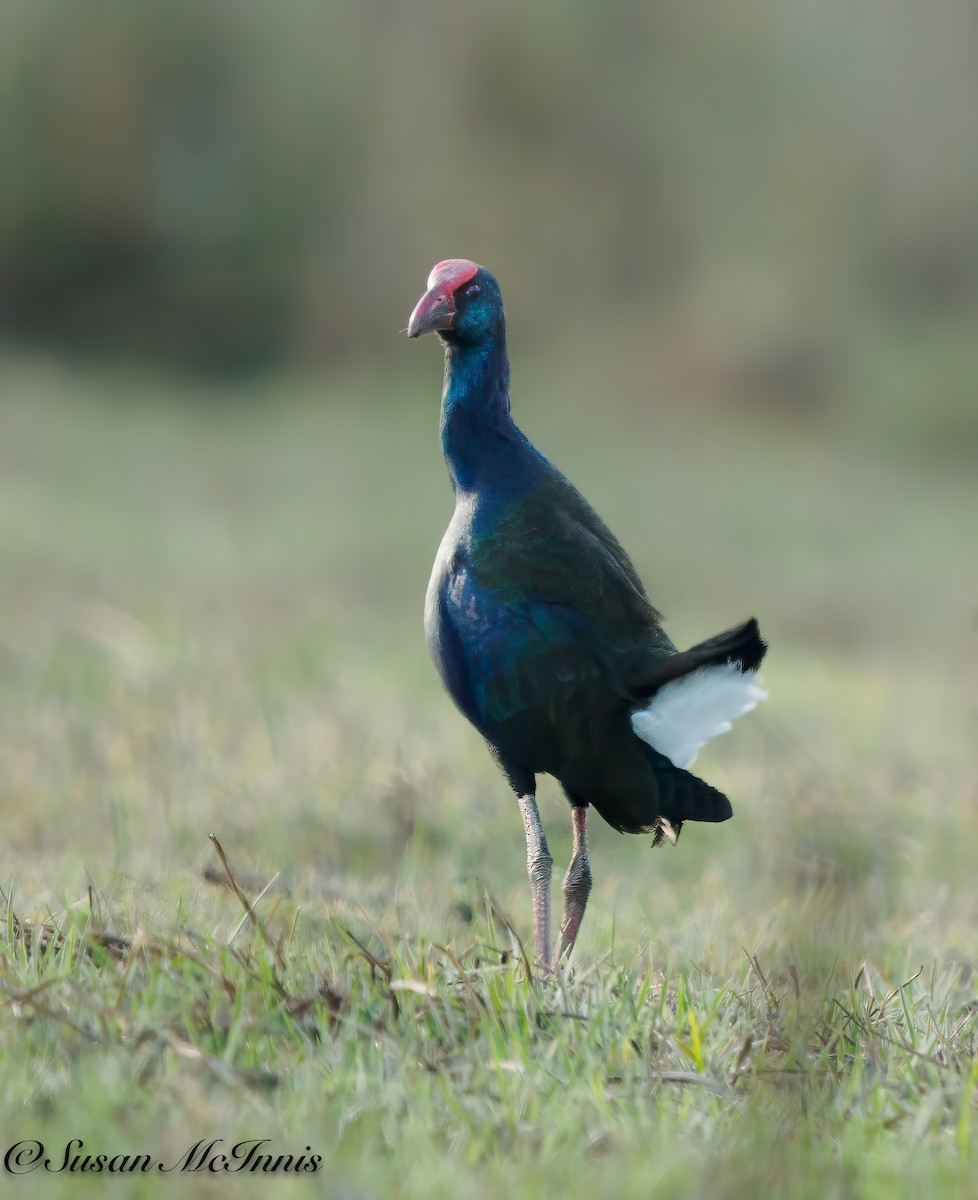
x=541 y=629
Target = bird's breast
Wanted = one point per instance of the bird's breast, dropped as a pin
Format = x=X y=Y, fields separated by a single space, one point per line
x=451 y=558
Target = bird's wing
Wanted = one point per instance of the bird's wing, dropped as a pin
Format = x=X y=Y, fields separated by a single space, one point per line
x=551 y=556
x=539 y=625
x=544 y=634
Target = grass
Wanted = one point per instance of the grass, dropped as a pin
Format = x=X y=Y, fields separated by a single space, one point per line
x=212 y=624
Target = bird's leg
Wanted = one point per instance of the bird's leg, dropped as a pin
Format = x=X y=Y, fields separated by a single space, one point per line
x=539 y=865
x=577 y=885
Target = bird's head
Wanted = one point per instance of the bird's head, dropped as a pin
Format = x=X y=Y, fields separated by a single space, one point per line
x=463 y=304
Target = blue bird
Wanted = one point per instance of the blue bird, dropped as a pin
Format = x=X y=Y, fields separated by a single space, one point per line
x=542 y=632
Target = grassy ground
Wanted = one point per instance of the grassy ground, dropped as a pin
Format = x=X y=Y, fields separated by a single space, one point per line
x=211 y=623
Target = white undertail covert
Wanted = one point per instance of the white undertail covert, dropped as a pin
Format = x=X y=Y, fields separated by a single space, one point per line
x=684 y=714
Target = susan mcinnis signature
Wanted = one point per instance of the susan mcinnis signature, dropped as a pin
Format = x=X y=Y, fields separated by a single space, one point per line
x=252 y=1156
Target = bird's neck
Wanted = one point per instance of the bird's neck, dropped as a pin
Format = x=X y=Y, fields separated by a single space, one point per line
x=476 y=428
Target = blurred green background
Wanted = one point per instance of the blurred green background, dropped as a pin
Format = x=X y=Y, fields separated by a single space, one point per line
x=739 y=249
x=782 y=192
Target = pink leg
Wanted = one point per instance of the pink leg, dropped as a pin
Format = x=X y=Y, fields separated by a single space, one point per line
x=577 y=886
x=539 y=865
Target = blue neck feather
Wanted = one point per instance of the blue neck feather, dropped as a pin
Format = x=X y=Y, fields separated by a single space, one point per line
x=476 y=428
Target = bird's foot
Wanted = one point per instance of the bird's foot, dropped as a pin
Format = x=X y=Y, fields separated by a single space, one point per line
x=571 y=924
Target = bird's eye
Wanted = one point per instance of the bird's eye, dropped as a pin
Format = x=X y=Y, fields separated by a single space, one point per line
x=472 y=290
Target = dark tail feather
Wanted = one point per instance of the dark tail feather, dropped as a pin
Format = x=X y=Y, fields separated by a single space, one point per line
x=684 y=796
x=678 y=796
x=742 y=645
